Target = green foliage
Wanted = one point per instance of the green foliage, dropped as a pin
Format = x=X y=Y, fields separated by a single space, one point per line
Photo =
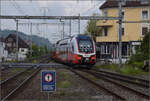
x=113 y=67
x=65 y=84
x=66 y=76
x=92 y=29
x=62 y=92
x=142 y=52
x=129 y=70
x=37 y=51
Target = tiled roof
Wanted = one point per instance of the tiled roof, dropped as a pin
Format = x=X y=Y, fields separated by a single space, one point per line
x=21 y=43
x=114 y=4
x=2 y=39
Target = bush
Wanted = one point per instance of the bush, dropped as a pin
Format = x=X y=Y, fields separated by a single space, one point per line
x=129 y=70
x=113 y=67
x=138 y=64
x=142 y=53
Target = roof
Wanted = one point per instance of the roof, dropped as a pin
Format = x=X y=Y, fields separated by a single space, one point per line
x=83 y=37
x=2 y=39
x=114 y=4
x=21 y=43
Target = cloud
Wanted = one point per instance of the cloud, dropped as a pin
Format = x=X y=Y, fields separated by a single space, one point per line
x=43 y=3
x=55 y=8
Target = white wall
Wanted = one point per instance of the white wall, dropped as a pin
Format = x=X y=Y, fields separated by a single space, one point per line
x=22 y=53
x=3 y=52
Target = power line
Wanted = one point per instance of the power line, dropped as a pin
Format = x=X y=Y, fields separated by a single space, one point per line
x=55 y=0
x=60 y=17
x=17 y=7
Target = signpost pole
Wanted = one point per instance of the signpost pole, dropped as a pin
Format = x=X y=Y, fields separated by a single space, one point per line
x=48 y=96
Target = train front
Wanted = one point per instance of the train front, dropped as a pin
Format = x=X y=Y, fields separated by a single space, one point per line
x=86 y=54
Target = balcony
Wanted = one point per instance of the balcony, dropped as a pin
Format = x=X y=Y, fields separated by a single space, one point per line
x=106 y=39
x=105 y=23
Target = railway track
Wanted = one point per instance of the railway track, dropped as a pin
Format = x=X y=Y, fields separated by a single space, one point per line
x=11 y=86
x=129 y=79
x=8 y=86
x=106 y=78
x=116 y=96
x=13 y=76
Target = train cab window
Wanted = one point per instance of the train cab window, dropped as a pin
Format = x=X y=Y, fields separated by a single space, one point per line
x=85 y=46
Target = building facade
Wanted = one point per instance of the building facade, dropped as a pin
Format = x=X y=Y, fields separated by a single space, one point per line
x=132 y=33
x=23 y=48
x=3 y=51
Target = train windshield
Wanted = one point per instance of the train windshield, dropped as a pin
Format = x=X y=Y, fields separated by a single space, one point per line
x=85 y=46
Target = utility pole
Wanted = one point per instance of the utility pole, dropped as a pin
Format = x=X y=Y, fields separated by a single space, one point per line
x=31 y=40
x=63 y=33
x=63 y=29
x=120 y=32
x=70 y=28
x=79 y=25
x=16 y=39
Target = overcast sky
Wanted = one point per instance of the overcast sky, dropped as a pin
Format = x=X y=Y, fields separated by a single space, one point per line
x=52 y=8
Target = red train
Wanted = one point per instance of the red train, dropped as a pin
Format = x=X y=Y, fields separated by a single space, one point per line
x=77 y=50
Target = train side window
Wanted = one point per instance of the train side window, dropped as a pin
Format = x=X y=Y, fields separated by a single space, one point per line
x=72 y=48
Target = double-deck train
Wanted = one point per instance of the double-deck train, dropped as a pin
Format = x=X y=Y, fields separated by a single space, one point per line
x=76 y=50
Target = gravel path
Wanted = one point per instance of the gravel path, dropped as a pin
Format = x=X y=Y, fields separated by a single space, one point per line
x=7 y=87
x=146 y=77
x=70 y=87
x=135 y=87
x=130 y=96
x=10 y=72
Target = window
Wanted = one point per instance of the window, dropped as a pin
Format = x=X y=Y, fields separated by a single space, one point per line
x=123 y=15
x=22 y=50
x=122 y=31
x=144 y=30
x=105 y=13
x=10 y=39
x=105 y=31
x=9 y=45
x=144 y=14
x=144 y=1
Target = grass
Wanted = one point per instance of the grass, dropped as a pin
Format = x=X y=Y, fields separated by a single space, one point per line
x=65 y=75
x=130 y=70
x=113 y=67
x=65 y=84
x=62 y=92
x=17 y=69
x=34 y=61
x=127 y=69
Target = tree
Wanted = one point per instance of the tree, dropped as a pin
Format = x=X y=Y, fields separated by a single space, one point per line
x=46 y=50
x=35 y=50
x=142 y=52
x=92 y=29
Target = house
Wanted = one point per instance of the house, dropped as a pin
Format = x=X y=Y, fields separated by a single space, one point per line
x=3 y=51
x=23 y=48
x=137 y=10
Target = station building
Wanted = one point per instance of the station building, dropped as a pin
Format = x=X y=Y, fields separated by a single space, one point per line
x=3 y=51
x=23 y=47
x=132 y=33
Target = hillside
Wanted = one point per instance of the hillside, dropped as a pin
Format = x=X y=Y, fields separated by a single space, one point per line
x=36 y=39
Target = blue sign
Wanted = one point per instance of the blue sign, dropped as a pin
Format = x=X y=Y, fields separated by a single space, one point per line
x=48 y=81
